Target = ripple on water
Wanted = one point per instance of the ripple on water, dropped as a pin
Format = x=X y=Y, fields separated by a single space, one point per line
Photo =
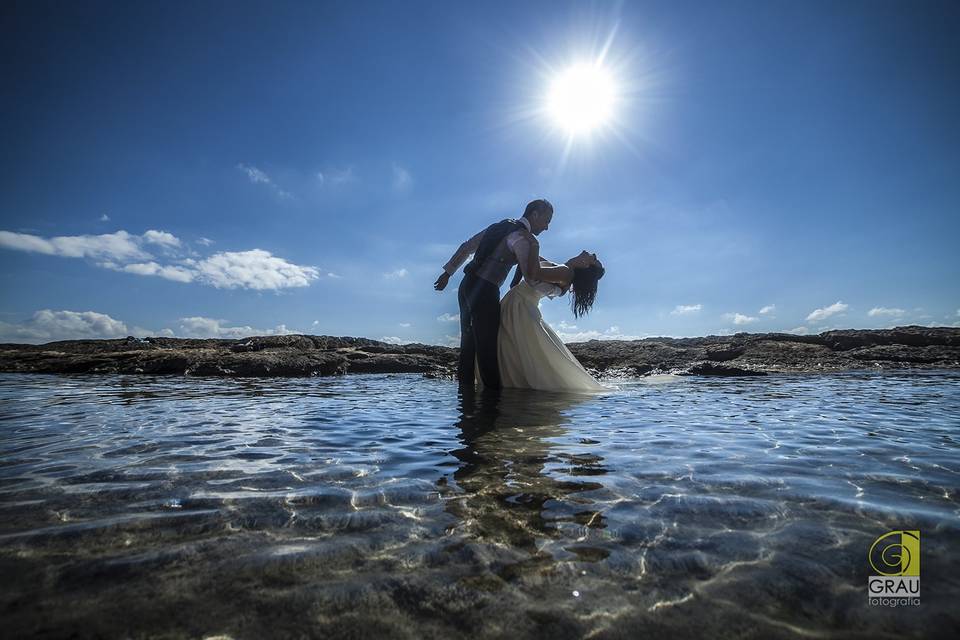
x=389 y=506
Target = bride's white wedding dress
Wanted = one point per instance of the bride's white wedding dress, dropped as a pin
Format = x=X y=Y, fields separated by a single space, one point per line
x=531 y=355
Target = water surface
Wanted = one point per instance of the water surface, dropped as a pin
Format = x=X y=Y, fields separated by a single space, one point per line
x=389 y=506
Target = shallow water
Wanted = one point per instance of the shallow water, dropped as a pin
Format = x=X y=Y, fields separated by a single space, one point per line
x=387 y=506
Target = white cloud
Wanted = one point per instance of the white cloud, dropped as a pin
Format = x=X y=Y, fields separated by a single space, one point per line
x=819 y=315
x=254 y=269
x=800 y=331
x=169 y=272
x=770 y=308
x=256 y=176
x=48 y=325
x=122 y=251
x=891 y=312
x=402 y=180
x=111 y=246
x=451 y=341
x=446 y=317
x=739 y=318
x=331 y=274
x=205 y=242
x=684 y=309
x=201 y=327
x=104 y=218
x=613 y=333
x=405 y=325
x=566 y=326
x=392 y=340
x=396 y=273
x=161 y=238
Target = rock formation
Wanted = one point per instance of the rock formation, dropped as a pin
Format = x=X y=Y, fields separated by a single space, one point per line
x=911 y=347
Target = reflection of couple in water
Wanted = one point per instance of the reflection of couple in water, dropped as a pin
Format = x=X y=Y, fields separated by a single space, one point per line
x=509 y=439
x=507 y=341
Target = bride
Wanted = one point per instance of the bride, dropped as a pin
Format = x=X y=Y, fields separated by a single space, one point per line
x=531 y=355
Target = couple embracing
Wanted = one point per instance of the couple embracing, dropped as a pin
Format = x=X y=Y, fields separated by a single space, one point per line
x=507 y=342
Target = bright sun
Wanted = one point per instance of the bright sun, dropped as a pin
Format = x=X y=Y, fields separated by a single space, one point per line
x=581 y=98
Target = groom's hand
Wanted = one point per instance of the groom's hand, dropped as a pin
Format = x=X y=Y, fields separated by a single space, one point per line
x=442 y=281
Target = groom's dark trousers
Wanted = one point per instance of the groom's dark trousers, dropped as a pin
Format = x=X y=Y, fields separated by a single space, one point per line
x=479 y=326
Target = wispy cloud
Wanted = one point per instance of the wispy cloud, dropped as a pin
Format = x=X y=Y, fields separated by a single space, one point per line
x=206 y=242
x=819 y=315
x=446 y=317
x=393 y=340
x=889 y=312
x=405 y=325
x=169 y=272
x=613 y=333
x=686 y=309
x=800 y=331
x=336 y=176
x=402 y=180
x=202 y=327
x=104 y=218
x=739 y=318
x=257 y=176
x=395 y=274
x=767 y=310
x=111 y=246
x=121 y=251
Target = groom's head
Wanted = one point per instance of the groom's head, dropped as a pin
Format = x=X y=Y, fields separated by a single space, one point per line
x=538 y=213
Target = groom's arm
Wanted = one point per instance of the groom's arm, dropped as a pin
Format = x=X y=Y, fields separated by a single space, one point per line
x=528 y=257
x=459 y=257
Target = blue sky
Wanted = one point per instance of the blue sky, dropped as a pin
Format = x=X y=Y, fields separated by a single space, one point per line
x=238 y=168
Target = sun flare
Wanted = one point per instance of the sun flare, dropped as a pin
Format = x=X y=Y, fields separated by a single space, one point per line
x=581 y=98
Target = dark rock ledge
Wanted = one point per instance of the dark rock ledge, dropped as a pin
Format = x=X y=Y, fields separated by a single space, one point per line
x=910 y=347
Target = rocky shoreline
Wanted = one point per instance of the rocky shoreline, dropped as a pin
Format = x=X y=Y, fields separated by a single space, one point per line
x=742 y=354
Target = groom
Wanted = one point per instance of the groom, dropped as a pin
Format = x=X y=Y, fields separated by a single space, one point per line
x=495 y=251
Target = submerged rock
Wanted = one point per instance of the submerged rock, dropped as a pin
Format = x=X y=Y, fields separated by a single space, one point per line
x=742 y=354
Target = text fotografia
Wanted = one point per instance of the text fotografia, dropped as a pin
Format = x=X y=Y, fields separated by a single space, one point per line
x=895 y=556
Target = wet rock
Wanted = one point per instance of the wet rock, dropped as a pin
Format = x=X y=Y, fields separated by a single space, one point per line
x=912 y=336
x=723 y=352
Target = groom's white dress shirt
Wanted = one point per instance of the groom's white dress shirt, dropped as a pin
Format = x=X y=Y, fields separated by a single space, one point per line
x=519 y=243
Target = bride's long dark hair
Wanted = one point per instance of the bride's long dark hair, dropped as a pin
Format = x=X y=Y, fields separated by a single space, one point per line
x=584 y=285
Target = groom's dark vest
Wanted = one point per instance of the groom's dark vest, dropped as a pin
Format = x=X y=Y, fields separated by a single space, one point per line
x=493 y=258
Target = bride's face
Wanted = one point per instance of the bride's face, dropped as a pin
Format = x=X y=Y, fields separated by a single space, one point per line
x=584 y=260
